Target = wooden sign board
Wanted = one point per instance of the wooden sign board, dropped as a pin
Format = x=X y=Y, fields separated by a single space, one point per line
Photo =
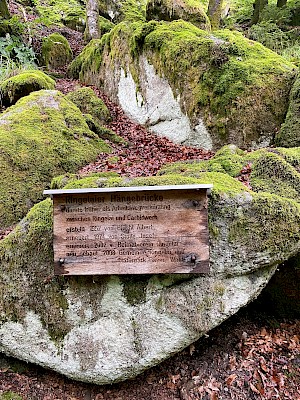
x=137 y=230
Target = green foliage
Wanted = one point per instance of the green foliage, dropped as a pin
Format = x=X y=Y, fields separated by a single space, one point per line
x=10 y=396
x=11 y=26
x=14 y=55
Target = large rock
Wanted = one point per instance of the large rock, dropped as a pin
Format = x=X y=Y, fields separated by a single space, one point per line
x=22 y=84
x=289 y=133
x=42 y=135
x=167 y=10
x=55 y=52
x=107 y=329
x=193 y=86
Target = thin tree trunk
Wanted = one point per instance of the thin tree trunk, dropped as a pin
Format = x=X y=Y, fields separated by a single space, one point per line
x=258 y=7
x=92 y=15
x=281 y=3
x=214 y=12
x=4 y=13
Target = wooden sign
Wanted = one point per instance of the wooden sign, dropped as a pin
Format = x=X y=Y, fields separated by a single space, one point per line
x=134 y=230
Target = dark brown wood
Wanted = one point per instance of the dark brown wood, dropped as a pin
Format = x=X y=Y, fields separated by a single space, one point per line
x=131 y=232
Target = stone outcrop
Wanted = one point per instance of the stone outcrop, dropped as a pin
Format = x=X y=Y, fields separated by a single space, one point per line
x=193 y=86
x=107 y=329
x=55 y=52
x=22 y=84
x=171 y=10
x=289 y=132
x=44 y=134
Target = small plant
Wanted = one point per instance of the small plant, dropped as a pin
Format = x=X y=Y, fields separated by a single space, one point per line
x=15 y=56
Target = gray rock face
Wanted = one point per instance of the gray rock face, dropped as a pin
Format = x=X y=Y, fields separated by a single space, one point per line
x=155 y=106
x=107 y=329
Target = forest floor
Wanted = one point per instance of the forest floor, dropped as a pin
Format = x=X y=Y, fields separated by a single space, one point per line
x=254 y=355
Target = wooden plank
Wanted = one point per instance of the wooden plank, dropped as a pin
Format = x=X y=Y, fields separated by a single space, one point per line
x=131 y=232
x=129 y=189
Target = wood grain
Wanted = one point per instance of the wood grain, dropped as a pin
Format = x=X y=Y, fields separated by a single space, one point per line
x=146 y=232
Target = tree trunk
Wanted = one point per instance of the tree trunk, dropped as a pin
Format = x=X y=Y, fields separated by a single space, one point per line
x=92 y=15
x=281 y=3
x=4 y=13
x=258 y=7
x=214 y=12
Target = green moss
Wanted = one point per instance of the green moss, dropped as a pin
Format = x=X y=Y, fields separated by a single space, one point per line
x=272 y=170
x=270 y=225
x=15 y=87
x=93 y=181
x=104 y=25
x=56 y=51
x=75 y=19
x=170 y=10
x=11 y=26
x=239 y=87
x=89 y=60
x=273 y=174
x=289 y=133
x=10 y=396
x=62 y=180
x=87 y=101
x=134 y=288
x=43 y=135
x=102 y=132
x=26 y=256
x=55 y=12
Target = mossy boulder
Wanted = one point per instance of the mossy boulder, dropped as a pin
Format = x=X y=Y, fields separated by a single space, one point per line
x=88 y=103
x=170 y=10
x=107 y=329
x=42 y=135
x=289 y=133
x=74 y=20
x=15 y=87
x=190 y=85
x=95 y=112
x=119 y=10
x=273 y=170
x=56 y=51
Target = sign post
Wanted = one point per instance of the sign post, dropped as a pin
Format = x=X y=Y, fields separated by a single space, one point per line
x=131 y=230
